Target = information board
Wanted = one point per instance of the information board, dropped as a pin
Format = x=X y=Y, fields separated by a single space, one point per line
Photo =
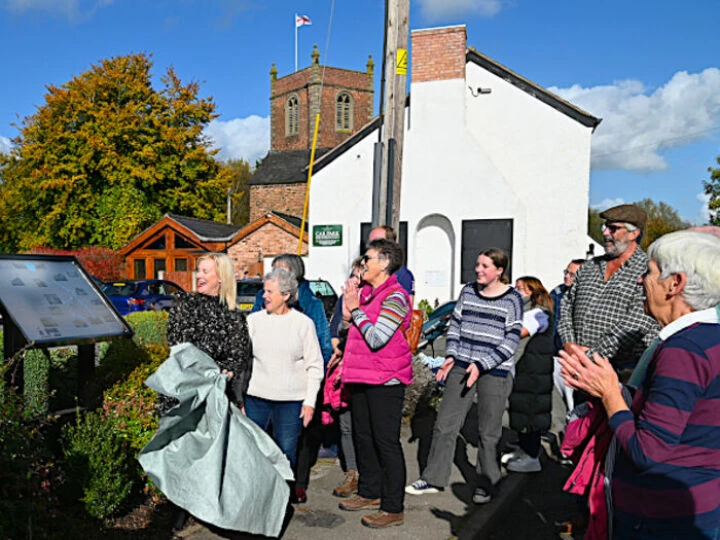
x=52 y=300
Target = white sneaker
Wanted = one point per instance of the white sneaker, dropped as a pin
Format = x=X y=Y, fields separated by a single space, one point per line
x=421 y=487
x=524 y=464
x=511 y=456
x=481 y=496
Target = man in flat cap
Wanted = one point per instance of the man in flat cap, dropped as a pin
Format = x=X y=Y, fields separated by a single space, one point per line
x=604 y=311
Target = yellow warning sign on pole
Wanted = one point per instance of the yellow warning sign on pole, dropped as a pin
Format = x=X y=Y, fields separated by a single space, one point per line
x=401 y=61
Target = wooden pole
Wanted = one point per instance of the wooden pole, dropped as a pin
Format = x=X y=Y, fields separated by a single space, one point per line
x=397 y=20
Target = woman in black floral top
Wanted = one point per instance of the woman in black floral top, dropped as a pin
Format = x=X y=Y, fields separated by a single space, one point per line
x=211 y=321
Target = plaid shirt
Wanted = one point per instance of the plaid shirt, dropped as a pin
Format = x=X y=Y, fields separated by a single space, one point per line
x=609 y=317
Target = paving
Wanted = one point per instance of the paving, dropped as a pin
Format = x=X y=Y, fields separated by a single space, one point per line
x=525 y=506
x=448 y=514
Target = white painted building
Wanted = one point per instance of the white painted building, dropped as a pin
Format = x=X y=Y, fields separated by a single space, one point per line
x=489 y=159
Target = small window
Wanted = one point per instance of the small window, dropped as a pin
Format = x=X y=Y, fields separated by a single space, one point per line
x=139 y=267
x=158 y=266
x=343 y=112
x=181 y=243
x=157 y=244
x=181 y=265
x=292 y=116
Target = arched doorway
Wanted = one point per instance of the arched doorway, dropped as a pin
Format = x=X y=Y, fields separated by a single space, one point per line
x=434 y=259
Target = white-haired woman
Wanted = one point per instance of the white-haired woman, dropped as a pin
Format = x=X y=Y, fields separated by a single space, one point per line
x=666 y=481
x=287 y=364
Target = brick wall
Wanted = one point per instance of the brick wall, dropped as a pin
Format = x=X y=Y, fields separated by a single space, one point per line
x=270 y=239
x=438 y=54
x=306 y=85
x=285 y=198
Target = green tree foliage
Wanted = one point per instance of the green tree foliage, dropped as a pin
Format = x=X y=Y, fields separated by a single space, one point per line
x=105 y=156
x=240 y=172
x=594 y=225
x=712 y=188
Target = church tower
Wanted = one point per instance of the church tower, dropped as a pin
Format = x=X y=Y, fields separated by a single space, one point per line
x=344 y=100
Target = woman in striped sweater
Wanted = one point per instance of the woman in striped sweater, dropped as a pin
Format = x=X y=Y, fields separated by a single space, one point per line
x=483 y=336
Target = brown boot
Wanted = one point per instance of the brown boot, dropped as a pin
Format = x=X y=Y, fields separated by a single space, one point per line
x=349 y=485
x=382 y=519
x=359 y=503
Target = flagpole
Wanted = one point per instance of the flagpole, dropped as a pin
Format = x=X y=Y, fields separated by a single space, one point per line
x=296 y=27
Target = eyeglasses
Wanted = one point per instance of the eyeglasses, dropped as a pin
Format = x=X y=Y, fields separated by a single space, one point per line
x=569 y=273
x=612 y=228
x=366 y=258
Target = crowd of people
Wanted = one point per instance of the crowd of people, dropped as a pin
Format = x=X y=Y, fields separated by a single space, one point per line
x=630 y=340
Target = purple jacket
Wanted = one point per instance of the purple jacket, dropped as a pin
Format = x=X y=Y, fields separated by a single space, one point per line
x=394 y=360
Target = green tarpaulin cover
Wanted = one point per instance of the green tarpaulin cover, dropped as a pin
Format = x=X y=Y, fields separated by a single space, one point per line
x=208 y=457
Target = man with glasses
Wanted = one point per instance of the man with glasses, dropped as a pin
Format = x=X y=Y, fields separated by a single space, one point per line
x=557 y=295
x=604 y=310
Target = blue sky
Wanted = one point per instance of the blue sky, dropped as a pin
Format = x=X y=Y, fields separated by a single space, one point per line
x=650 y=69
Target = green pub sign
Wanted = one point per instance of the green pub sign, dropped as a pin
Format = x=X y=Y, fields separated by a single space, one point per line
x=327 y=235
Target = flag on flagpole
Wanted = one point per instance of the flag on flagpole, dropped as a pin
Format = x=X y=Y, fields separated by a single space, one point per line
x=302 y=20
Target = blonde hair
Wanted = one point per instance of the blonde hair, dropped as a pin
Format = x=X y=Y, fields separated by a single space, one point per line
x=226 y=274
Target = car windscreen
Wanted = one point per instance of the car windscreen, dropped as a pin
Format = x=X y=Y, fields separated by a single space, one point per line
x=249 y=288
x=120 y=289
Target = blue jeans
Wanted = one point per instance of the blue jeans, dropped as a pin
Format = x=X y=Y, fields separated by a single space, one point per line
x=286 y=422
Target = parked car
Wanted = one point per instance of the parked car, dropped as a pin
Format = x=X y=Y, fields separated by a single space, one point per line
x=325 y=292
x=247 y=289
x=436 y=325
x=131 y=296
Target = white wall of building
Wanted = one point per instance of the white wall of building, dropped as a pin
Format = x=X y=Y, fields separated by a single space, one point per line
x=503 y=155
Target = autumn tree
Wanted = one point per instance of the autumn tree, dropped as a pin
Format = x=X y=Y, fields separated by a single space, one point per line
x=239 y=171
x=662 y=219
x=712 y=188
x=107 y=155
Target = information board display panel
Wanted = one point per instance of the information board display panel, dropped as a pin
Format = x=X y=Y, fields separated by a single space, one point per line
x=52 y=300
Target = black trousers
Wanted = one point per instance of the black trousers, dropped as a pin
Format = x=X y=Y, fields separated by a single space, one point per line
x=530 y=442
x=376 y=418
x=309 y=444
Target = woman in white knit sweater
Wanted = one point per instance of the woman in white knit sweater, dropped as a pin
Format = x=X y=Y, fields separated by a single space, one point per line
x=287 y=364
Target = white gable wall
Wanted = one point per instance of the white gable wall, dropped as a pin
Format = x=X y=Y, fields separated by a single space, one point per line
x=546 y=156
x=505 y=155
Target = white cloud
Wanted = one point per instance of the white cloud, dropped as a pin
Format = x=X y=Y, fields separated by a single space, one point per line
x=607 y=203
x=639 y=124
x=4 y=145
x=246 y=138
x=74 y=10
x=703 y=215
x=438 y=9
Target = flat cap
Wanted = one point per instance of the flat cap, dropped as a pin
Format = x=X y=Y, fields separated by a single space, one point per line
x=626 y=213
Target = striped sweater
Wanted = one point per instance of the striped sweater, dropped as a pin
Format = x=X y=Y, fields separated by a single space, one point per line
x=485 y=330
x=669 y=469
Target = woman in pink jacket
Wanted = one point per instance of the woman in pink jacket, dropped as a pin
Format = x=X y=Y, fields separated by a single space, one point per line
x=377 y=367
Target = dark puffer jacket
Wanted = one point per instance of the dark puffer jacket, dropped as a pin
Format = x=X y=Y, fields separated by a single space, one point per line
x=531 y=397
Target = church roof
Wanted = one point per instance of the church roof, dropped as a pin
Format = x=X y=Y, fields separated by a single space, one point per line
x=284 y=167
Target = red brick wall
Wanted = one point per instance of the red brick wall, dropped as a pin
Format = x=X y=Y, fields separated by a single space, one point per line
x=306 y=85
x=285 y=198
x=271 y=239
x=438 y=54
